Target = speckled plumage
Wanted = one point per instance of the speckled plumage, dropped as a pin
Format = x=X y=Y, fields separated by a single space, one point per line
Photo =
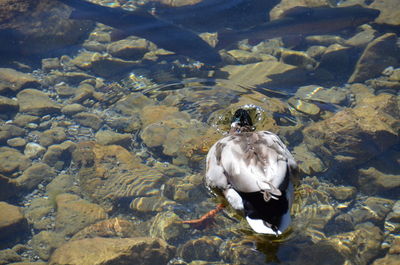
x=253 y=170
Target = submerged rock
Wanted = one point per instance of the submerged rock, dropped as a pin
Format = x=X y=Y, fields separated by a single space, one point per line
x=359 y=246
x=8 y=131
x=373 y=181
x=166 y=225
x=34 y=150
x=43 y=26
x=304 y=106
x=88 y=119
x=36 y=102
x=378 y=55
x=150 y=204
x=7 y=256
x=11 y=161
x=33 y=176
x=8 y=105
x=74 y=213
x=373 y=209
x=353 y=136
x=129 y=48
x=264 y=73
x=333 y=95
x=38 y=211
x=103 y=65
x=96 y=251
x=203 y=248
x=52 y=136
x=45 y=242
x=393 y=255
x=114 y=227
x=390 y=14
x=108 y=137
x=72 y=109
x=59 y=155
x=13 y=81
x=12 y=223
x=307 y=161
x=297 y=58
x=17 y=142
x=285 y=5
x=112 y=174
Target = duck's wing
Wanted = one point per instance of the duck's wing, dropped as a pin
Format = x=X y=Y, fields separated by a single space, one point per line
x=256 y=161
x=215 y=172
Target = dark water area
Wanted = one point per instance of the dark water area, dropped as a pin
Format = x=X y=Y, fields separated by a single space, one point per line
x=109 y=108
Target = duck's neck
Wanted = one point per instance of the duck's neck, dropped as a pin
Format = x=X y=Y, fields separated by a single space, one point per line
x=236 y=129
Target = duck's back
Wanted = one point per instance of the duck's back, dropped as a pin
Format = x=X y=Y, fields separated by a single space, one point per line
x=250 y=162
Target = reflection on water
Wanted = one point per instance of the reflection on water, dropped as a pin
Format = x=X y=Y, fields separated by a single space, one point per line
x=103 y=141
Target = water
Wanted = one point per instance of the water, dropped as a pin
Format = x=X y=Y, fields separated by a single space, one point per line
x=122 y=128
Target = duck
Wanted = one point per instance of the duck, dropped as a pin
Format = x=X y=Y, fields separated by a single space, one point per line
x=254 y=171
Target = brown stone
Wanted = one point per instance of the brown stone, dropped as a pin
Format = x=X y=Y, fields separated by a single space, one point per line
x=89 y=119
x=114 y=227
x=74 y=213
x=33 y=176
x=390 y=13
x=33 y=101
x=12 y=223
x=13 y=81
x=11 y=160
x=113 y=251
x=353 y=136
x=378 y=55
x=112 y=173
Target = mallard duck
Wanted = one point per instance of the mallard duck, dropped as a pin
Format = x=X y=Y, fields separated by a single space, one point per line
x=253 y=170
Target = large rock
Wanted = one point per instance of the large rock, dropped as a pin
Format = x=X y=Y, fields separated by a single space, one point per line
x=129 y=48
x=378 y=55
x=45 y=242
x=113 y=251
x=353 y=136
x=365 y=243
x=11 y=160
x=264 y=73
x=52 y=136
x=103 y=64
x=12 y=8
x=36 y=102
x=38 y=213
x=33 y=176
x=74 y=213
x=111 y=173
x=12 y=223
x=204 y=248
x=8 y=131
x=114 y=227
x=285 y=5
x=390 y=12
x=108 y=137
x=88 y=119
x=59 y=155
x=38 y=26
x=8 y=104
x=13 y=81
x=373 y=181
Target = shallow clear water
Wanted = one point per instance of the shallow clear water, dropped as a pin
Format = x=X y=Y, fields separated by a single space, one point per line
x=125 y=127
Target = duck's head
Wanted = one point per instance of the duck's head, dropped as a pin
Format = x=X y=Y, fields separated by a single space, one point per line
x=241 y=122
